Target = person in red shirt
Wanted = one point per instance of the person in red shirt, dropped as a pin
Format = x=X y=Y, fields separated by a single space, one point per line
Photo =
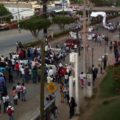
x=21 y=54
x=17 y=68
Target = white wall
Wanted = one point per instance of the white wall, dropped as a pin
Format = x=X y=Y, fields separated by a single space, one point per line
x=20 y=13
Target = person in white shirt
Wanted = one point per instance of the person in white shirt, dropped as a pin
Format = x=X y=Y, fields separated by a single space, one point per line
x=22 y=71
x=33 y=64
x=82 y=79
x=5 y=100
x=75 y=47
x=13 y=63
x=46 y=47
x=50 y=72
x=18 y=87
x=2 y=58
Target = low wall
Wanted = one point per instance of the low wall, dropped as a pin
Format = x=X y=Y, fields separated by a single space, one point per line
x=20 y=4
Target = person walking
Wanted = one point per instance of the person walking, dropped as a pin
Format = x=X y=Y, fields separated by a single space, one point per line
x=17 y=68
x=66 y=94
x=34 y=74
x=5 y=100
x=72 y=106
x=18 y=87
x=26 y=74
x=15 y=96
x=82 y=79
x=94 y=73
x=111 y=46
x=10 y=112
x=105 y=62
x=23 y=92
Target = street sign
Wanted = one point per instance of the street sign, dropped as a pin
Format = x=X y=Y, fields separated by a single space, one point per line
x=51 y=87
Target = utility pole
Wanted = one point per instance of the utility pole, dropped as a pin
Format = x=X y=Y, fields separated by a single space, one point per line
x=78 y=39
x=85 y=47
x=43 y=78
x=44 y=2
x=84 y=37
x=42 y=83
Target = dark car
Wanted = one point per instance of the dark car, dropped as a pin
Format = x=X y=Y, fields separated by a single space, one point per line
x=72 y=42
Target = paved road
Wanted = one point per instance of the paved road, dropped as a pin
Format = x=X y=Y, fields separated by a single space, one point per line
x=9 y=38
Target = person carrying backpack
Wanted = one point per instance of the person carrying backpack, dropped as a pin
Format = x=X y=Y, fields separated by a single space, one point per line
x=10 y=112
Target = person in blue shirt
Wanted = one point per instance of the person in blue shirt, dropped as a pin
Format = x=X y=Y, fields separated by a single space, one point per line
x=2 y=82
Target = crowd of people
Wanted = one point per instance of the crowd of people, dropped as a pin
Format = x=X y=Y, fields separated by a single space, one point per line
x=24 y=67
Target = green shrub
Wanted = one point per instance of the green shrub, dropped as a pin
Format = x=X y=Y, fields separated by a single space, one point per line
x=36 y=43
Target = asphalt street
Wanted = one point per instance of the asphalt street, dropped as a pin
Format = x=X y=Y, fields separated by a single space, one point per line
x=9 y=38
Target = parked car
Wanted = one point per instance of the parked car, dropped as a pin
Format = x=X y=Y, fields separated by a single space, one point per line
x=72 y=42
x=8 y=26
x=4 y=26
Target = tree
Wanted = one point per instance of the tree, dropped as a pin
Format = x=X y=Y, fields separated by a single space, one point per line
x=4 y=13
x=35 y=24
x=63 y=20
